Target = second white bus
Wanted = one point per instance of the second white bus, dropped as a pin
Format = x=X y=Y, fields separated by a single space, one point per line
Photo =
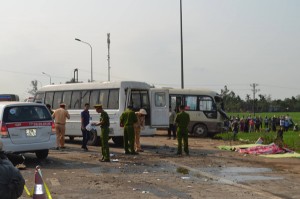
x=205 y=108
x=114 y=97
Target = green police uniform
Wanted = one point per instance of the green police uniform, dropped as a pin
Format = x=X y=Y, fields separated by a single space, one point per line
x=128 y=118
x=104 y=120
x=182 y=120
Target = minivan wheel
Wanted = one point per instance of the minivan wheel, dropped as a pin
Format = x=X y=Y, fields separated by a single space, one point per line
x=200 y=130
x=42 y=154
x=94 y=138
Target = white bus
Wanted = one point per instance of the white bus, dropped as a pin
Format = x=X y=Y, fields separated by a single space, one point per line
x=114 y=97
x=205 y=108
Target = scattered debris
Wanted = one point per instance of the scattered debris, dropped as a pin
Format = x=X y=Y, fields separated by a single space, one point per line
x=145 y=192
x=182 y=170
x=259 y=141
x=185 y=178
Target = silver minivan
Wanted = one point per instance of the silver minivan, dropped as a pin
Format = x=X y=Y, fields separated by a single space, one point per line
x=26 y=127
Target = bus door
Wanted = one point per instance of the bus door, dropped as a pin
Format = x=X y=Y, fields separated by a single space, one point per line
x=128 y=98
x=175 y=102
x=159 y=106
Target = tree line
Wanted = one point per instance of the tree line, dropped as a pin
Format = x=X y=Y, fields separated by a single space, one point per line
x=261 y=103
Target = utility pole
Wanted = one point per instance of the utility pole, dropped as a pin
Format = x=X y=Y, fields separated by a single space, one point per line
x=254 y=90
x=108 y=55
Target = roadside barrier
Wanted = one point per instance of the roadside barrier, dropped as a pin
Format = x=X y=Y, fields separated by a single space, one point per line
x=40 y=190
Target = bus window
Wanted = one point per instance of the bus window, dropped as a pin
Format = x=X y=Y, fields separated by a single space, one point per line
x=205 y=103
x=75 y=100
x=145 y=100
x=160 y=99
x=94 y=97
x=135 y=100
x=191 y=103
x=67 y=98
x=103 y=98
x=85 y=98
x=57 y=99
x=113 y=102
x=49 y=98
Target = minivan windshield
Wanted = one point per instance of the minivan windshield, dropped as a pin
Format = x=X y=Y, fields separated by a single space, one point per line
x=26 y=114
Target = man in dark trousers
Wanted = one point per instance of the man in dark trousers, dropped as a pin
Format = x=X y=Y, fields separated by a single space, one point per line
x=182 y=120
x=85 y=120
x=11 y=181
x=104 y=124
x=127 y=119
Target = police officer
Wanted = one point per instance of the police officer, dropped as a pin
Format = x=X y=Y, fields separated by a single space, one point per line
x=182 y=120
x=104 y=124
x=127 y=119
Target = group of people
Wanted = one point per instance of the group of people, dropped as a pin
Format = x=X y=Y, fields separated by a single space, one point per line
x=133 y=123
x=256 y=124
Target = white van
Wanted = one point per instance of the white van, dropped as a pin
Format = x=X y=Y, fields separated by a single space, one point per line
x=26 y=127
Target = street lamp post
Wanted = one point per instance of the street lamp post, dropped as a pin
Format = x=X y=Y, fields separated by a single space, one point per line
x=91 y=56
x=182 y=80
x=48 y=76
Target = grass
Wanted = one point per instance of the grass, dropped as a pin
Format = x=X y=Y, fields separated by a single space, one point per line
x=291 y=139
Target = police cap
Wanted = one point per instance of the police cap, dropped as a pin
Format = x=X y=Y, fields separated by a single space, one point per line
x=98 y=106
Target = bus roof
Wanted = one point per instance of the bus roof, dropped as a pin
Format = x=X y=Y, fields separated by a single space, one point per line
x=95 y=85
x=193 y=92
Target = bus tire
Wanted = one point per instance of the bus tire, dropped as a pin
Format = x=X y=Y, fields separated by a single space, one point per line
x=200 y=130
x=118 y=140
x=42 y=154
x=94 y=139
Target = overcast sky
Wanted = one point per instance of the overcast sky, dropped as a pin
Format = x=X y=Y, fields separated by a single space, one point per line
x=225 y=42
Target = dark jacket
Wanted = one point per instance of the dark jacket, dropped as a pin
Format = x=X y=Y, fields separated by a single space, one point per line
x=11 y=181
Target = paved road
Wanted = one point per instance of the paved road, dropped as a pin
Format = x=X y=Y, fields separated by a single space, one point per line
x=159 y=173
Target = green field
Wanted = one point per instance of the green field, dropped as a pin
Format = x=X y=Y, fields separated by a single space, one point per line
x=291 y=139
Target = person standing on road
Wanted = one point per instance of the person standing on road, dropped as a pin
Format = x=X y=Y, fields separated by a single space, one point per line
x=172 y=126
x=127 y=119
x=138 y=126
x=60 y=116
x=235 y=128
x=85 y=120
x=182 y=121
x=49 y=108
x=104 y=124
x=11 y=181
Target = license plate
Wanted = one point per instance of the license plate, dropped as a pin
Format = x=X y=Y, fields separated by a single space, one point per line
x=31 y=132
